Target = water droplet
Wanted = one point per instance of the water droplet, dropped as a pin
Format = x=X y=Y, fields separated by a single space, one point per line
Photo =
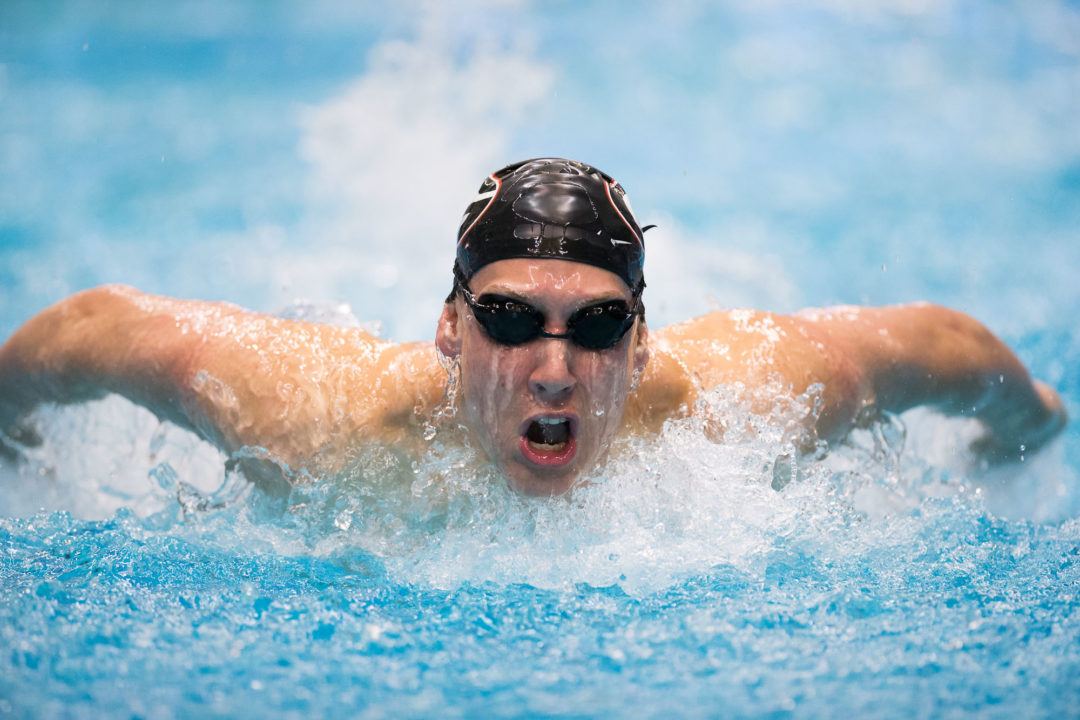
x=783 y=472
x=344 y=519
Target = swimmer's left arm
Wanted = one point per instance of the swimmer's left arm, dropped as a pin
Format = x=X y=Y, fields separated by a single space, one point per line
x=922 y=354
x=865 y=360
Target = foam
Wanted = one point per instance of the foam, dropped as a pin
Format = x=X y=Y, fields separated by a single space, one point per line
x=661 y=510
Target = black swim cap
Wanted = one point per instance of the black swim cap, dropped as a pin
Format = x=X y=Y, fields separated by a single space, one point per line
x=552 y=208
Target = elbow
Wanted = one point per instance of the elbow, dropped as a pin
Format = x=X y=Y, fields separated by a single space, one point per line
x=92 y=316
x=102 y=298
x=963 y=328
x=964 y=348
x=950 y=324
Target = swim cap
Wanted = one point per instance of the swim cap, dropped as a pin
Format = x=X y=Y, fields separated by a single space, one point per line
x=552 y=208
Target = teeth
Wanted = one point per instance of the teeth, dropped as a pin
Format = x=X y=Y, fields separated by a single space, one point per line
x=548 y=434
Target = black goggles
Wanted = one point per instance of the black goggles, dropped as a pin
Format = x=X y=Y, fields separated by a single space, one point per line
x=512 y=322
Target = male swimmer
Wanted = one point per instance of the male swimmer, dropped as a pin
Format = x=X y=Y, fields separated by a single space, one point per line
x=545 y=336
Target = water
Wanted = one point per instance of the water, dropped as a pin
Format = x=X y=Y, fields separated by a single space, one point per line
x=945 y=621
x=874 y=582
x=869 y=152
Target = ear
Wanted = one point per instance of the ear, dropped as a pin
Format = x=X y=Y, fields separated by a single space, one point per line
x=641 y=348
x=447 y=334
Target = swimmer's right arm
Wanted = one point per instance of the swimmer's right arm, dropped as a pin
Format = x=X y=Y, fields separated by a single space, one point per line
x=87 y=345
x=235 y=377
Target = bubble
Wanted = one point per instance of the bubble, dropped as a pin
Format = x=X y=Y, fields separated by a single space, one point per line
x=661 y=509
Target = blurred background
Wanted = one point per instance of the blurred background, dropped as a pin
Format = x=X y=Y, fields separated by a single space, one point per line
x=322 y=152
x=792 y=153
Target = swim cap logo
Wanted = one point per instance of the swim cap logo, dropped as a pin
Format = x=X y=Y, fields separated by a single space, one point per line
x=551 y=207
x=557 y=203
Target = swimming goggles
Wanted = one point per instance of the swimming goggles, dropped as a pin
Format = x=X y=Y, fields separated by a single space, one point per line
x=512 y=322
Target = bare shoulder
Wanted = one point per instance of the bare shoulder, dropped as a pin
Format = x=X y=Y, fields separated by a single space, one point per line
x=749 y=345
x=753 y=348
x=304 y=390
x=239 y=378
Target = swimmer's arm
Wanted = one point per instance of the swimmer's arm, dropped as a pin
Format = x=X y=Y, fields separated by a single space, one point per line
x=922 y=354
x=87 y=345
x=235 y=377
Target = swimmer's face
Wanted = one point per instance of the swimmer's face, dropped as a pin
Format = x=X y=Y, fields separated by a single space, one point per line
x=544 y=411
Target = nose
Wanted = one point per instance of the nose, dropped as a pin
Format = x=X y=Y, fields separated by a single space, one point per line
x=551 y=381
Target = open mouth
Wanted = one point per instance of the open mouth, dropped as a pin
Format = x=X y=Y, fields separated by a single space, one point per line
x=549 y=440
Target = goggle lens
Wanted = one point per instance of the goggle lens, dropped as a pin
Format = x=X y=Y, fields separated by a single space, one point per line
x=508 y=322
x=511 y=322
x=599 y=327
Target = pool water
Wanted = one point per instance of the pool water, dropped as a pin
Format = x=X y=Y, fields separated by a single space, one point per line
x=301 y=162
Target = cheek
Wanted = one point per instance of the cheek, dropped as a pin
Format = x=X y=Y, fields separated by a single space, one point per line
x=608 y=384
x=492 y=378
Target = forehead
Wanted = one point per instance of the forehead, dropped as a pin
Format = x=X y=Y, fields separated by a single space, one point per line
x=550 y=277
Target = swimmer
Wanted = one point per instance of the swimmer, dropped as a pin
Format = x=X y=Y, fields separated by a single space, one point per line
x=542 y=347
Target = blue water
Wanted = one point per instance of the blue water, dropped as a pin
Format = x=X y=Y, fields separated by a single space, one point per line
x=267 y=153
x=103 y=617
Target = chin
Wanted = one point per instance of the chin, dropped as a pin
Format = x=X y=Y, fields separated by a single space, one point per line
x=535 y=484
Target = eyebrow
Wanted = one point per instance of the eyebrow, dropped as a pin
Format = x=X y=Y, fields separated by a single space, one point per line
x=511 y=294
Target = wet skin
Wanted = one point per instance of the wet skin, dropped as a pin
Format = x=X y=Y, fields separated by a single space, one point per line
x=506 y=387
x=311 y=395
